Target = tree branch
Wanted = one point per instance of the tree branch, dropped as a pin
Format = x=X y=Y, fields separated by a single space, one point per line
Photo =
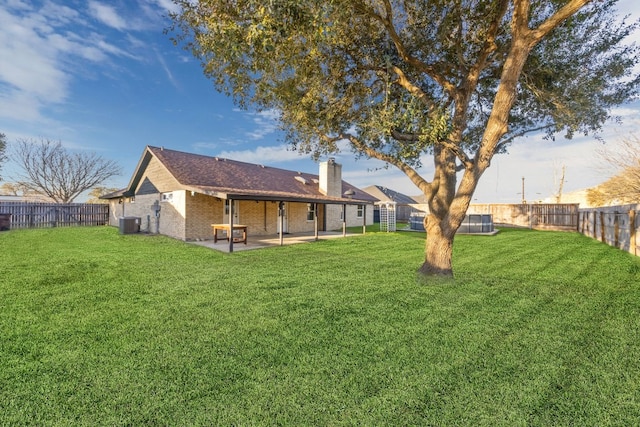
x=522 y=133
x=411 y=88
x=555 y=20
x=424 y=186
x=387 y=22
x=488 y=47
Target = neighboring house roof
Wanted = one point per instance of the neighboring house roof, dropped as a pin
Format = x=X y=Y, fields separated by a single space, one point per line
x=420 y=199
x=116 y=194
x=231 y=179
x=385 y=194
x=29 y=199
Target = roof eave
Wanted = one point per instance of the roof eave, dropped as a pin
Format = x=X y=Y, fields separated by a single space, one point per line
x=277 y=198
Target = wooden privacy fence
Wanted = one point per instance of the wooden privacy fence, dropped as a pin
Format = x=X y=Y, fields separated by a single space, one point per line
x=617 y=226
x=43 y=215
x=541 y=216
x=559 y=215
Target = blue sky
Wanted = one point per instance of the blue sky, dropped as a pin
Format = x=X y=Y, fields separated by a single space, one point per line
x=102 y=76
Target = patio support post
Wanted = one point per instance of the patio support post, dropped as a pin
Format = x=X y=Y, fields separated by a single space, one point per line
x=364 y=219
x=315 y=220
x=281 y=221
x=344 y=220
x=230 y=226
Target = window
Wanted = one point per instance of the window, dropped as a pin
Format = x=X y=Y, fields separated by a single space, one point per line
x=236 y=216
x=360 y=211
x=167 y=197
x=311 y=211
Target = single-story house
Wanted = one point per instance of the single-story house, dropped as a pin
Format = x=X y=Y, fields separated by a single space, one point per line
x=403 y=203
x=182 y=194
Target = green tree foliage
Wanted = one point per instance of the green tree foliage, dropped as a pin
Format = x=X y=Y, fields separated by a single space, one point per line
x=400 y=80
x=99 y=191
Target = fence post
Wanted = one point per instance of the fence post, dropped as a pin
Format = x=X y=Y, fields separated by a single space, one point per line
x=577 y=212
x=616 y=229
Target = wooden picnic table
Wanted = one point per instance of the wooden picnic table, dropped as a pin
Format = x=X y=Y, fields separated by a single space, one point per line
x=225 y=227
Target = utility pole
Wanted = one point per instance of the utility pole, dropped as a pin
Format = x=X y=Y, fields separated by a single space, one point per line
x=524 y=201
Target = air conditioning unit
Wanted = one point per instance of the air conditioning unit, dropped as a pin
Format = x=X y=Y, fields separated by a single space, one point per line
x=5 y=221
x=129 y=224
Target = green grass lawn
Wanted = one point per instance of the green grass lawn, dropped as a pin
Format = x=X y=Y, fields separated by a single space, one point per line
x=97 y=328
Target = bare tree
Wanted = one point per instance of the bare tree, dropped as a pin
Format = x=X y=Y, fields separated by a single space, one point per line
x=560 y=184
x=624 y=186
x=50 y=169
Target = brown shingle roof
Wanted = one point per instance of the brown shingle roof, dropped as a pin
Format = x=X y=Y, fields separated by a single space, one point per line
x=385 y=194
x=233 y=179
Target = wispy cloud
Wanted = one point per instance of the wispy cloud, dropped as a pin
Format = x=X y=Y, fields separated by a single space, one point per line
x=107 y=15
x=30 y=74
x=137 y=16
x=266 y=123
x=166 y=6
x=263 y=155
x=167 y=70
x=44 y=47
x=204 y=146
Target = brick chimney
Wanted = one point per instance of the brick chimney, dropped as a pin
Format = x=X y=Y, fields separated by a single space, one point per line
x=330 y=179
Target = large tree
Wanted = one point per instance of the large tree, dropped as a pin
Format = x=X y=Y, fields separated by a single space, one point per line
x=397 y=80
x=51 y=170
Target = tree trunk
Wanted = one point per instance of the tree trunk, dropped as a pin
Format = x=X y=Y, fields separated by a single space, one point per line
x=438 y=249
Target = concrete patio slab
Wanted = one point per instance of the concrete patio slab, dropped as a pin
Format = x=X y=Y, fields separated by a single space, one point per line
x=259 y=242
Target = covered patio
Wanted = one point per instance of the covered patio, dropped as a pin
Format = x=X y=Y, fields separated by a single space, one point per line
x=260 y=242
